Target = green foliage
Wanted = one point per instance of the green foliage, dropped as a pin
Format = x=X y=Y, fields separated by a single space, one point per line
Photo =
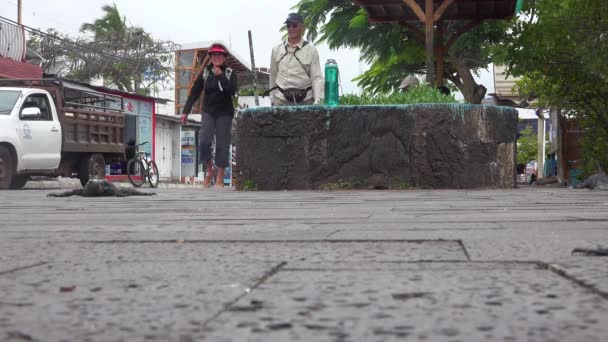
x=560 y=48
x=419 y=94
x=341 y=184
x=526 y=146
x=109 y=27
x=401 y=185
x=251 y=92
x=595 y=149
x=249 y=185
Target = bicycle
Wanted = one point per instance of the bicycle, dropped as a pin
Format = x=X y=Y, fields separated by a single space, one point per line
x=141 y=168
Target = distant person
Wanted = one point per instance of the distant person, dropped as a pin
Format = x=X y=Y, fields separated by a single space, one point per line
x=295 y=71
x=218 y=84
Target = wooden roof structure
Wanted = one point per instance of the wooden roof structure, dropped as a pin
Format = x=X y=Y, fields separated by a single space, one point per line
x=431 y=14
x=412 y=10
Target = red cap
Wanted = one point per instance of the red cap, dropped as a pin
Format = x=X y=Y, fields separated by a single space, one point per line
x=218 y=48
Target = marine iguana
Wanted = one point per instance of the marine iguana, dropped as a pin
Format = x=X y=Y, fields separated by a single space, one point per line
x=599 y=181
x=590 y=251
x=101 y=187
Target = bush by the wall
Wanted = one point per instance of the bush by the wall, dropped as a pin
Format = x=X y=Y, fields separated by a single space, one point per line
x=419 y=94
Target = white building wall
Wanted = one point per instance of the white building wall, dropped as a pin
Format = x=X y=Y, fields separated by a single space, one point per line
x=169 y=94
x=249 y=101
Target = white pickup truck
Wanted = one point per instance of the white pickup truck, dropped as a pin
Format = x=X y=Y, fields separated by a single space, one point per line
x=47 y=129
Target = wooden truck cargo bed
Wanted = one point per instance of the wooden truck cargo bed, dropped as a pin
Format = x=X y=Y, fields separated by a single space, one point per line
x=93 y=131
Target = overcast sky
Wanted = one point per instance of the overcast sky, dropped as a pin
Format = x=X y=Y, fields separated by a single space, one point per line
x=188 y=21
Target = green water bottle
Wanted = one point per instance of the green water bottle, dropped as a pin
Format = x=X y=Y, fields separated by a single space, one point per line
x=331 y=83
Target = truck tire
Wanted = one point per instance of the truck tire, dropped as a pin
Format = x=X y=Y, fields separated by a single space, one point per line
x=7 y=168
x=19 y=181
x=92 y=166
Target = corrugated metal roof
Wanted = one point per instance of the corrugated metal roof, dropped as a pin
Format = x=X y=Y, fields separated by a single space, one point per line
x=81 y=87
x=105 y=90
x=13 y=69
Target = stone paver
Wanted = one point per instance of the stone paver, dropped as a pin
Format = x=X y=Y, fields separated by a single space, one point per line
x=437 y=302
x=188 y=264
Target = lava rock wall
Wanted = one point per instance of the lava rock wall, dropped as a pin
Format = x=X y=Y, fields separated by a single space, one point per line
x=377 y=147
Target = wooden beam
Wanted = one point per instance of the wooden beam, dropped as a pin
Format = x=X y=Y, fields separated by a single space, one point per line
x=430 y=45
x=381 y=10
x=413 y=5
x=444 y=6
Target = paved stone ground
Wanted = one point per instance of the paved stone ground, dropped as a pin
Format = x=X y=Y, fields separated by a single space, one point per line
x=190 y=265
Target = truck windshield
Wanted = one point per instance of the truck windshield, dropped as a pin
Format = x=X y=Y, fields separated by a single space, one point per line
x=8 y=98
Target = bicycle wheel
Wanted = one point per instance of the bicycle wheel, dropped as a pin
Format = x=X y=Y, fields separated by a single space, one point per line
x=136 y=172
x=152 y=174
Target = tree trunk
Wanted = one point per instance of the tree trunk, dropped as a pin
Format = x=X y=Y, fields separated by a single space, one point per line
x=472 y=92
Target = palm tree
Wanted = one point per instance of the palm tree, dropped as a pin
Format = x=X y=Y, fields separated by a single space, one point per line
x=119 y=53
x=112 y=26
x=112 y=34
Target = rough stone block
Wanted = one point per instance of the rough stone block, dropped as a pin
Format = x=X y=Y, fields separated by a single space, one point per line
x=392 y=147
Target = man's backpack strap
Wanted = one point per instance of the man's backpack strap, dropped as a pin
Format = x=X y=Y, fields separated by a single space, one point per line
x=296 y=56
x=267 y=92
x=228 y=73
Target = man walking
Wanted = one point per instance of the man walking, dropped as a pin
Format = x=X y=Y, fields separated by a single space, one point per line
x=295 y=70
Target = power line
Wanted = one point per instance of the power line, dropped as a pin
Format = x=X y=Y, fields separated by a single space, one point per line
x=74 y=44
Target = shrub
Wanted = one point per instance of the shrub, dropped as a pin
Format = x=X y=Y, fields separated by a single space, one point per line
x=419 y=94
x=250 y=92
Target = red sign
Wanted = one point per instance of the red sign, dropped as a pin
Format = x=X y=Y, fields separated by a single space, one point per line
x=130 y=107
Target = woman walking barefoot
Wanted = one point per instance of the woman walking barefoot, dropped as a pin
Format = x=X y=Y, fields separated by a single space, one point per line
x=218 y=84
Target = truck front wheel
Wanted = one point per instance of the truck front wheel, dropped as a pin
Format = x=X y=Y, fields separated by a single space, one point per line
x=93 y=166
x=19 y=181
x=7 y=168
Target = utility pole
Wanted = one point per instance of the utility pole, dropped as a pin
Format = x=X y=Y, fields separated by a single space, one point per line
x=19 y=10
x=255 y=73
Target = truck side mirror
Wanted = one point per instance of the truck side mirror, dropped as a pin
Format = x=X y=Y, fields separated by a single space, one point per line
x=30 y=113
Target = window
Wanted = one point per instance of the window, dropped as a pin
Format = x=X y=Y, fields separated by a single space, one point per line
x=186 y=59
x=183 y=78
x=8 y=98
x=41 y=102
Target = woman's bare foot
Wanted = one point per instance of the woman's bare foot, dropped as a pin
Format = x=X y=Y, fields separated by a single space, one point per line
x=209 y=176
x=219 y=180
